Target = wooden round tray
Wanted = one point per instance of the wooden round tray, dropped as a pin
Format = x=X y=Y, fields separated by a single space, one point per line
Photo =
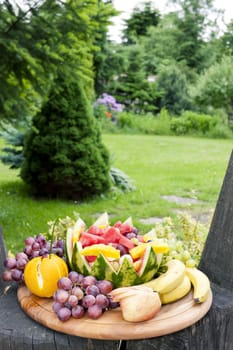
x=111 y=326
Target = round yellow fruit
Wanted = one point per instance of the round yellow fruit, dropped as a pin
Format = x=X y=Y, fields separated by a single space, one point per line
x=42 y=274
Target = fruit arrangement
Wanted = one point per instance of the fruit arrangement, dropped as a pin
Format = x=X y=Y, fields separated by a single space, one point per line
x=105 y=266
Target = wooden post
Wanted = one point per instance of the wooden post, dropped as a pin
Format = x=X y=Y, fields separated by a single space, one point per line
x=217 y=257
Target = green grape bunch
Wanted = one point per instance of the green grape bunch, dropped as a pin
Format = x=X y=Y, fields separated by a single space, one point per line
x=185 y=239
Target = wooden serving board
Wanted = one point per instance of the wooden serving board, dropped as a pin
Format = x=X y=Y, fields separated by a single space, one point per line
x=111 y=326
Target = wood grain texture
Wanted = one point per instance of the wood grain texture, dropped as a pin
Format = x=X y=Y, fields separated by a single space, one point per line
x=217 y=257
x=110 y=325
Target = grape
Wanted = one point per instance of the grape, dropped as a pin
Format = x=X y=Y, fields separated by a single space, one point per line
x=88 y=280
x=36 y=246
x=78 y=311
x=135 y=230
x=131 y=235
x=21 y=263
x=72 y=300
x=7 y=275
x=33 y=248
x=92 y=290
x=122 y=249
x=60 y=243
x=65 y=283
x=28 y=250
x=94 y=311
x=68 y=306
x=10 y=263
x=102 y=301
x=190 y=263
x=80 y=278
x=88 y=300
x=61 y=296
x=105 y=287
x=113 y=304
x=64 y=314
x=78 y=292
x=16 y=275
x=73 y=276
x=29 y=241
x=35 y=253
x=21 y=255
x=57 y=306
x=43 y=252
x=58 y=251
x=41 y=240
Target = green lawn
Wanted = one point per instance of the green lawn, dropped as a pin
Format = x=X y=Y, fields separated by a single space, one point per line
x=159 y=165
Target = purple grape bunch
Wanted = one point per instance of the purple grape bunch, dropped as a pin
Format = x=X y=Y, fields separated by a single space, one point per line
x=33 y=247
x=78 y=295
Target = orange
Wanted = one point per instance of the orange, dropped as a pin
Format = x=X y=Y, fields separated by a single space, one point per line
x=42 y=274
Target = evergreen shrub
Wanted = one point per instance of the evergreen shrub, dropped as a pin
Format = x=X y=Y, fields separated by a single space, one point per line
x=64 y=156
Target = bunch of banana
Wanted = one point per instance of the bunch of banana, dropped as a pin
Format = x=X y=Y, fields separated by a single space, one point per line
x=177 y=282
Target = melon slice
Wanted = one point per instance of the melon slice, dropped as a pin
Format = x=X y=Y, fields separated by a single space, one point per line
x=72 y=236
x=102 y=221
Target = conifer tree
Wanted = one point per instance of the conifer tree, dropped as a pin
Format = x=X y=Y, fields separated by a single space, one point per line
x=64 y=156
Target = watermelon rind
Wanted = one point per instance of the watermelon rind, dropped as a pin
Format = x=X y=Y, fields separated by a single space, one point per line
x=69 y=246
x=125 y=276
x=102 y=269
x=149 y=265
x=79 y=263
x=70 y=234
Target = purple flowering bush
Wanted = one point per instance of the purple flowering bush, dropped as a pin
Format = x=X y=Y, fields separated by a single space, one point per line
x=110 y=103
x=107 y=105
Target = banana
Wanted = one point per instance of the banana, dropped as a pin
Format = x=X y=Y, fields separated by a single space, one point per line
x=177 y=293
x=200 y=282
x=169 y=280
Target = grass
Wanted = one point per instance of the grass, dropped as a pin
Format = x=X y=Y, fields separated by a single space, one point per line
x=159 y=165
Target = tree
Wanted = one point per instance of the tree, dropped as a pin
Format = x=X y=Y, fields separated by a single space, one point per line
x=139 y=22
x=192 y=22
x=226 y=40
x=37 y=39
x=215 y=86
x=172 y=84
x=132 y=87
x=64 y=156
